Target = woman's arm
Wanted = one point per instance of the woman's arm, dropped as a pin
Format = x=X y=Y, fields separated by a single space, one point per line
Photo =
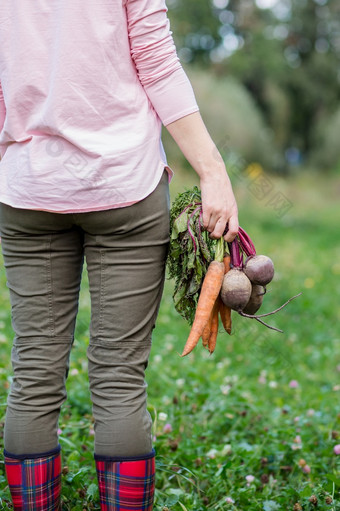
x=171 y=94
x=154 y=54
x=218 y=201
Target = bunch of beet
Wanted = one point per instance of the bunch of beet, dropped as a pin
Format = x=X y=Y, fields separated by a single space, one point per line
x=244 y=285
x=210 y=281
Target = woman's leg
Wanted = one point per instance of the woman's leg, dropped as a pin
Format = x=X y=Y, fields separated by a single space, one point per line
x=126 y=251
x=43 y=256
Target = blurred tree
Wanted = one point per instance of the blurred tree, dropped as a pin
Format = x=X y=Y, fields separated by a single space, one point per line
x=285 y=52
x=196 y=29
x=312 y=49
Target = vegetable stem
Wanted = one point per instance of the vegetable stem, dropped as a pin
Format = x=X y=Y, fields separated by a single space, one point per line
x=258 y=316
x=255 y=316
x=235 y=254
x=219 y=252
x=246 y=243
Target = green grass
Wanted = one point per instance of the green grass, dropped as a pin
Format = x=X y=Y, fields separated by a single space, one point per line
x=221 y=418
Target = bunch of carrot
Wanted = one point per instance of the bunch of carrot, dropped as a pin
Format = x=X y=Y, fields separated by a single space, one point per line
x=210 y=306
x=200 y=269
x=198 y=265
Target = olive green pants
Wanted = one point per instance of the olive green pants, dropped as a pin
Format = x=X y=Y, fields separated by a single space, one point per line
x=125 y=251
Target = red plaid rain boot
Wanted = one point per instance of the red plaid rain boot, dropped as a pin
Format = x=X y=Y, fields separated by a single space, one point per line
x=34 y=480
x=126 y=484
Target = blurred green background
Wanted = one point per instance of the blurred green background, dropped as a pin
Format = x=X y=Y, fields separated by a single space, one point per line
x=254 y=426
x=275 y=63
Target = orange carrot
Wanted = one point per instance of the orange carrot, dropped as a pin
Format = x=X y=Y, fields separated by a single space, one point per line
x=210 y=290
x=206 y=331
x=214 y=327
x=225 y=313
x=226 y=262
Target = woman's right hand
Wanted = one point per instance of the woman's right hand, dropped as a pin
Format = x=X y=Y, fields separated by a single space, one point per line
x=219 y=204
x=218 y=201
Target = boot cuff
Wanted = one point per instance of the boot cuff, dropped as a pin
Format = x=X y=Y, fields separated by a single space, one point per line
x=32 y=456
x=150 y=455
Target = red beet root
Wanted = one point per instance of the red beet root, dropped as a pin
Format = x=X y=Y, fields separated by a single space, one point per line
x=259 y=269
x=236 y=289
x=255 y=300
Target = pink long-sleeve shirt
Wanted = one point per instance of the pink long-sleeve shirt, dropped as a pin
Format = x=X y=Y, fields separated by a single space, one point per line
x=84 y=89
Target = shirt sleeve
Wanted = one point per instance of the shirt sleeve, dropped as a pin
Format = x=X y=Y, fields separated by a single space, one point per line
x=2 y=109
x=154 y=54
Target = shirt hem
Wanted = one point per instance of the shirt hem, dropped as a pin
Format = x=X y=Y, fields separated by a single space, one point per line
x=163 y=166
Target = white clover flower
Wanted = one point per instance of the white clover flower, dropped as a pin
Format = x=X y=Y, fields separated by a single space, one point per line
x=162 y=416
x=225 y=389
x=226 y=449
x=212 y=453
x=166 y=400
x=295 y=447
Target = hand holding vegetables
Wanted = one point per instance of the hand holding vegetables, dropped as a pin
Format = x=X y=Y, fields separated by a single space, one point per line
x=209 y=281
x=217 y=198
